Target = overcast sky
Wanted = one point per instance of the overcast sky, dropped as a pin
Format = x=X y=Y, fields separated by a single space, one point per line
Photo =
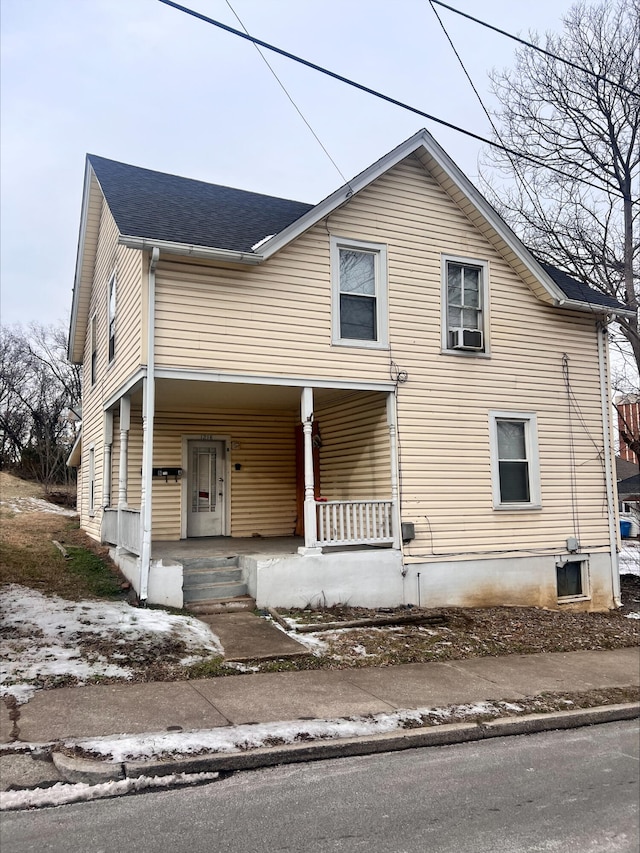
x=137 y=81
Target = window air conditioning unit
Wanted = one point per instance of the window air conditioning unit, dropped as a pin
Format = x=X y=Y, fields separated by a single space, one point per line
x=470 y=339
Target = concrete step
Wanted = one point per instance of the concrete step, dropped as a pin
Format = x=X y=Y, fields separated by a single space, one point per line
x=213 y=591
x=222 y=605
x=195 y=563
x=195 y=577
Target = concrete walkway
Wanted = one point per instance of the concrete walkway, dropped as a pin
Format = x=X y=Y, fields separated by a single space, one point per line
x=115 y=709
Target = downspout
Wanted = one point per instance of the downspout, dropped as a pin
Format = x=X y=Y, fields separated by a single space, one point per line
x=147 y=431
x=608 y=467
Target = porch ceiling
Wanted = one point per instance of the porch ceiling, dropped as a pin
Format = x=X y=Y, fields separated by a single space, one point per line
x=184 y=394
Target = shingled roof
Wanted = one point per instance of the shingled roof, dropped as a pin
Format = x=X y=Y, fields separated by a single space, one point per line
x=159 y=206
x=576 y=290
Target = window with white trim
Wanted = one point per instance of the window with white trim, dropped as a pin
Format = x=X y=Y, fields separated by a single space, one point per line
x=111 y=319
x=572 y=578
x=92 y=481
x=514 y=460
x=94 y=349
x=359 y=304
x=464 y=299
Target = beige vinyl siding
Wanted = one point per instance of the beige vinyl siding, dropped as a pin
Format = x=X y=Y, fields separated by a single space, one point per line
x=276 y=319
x=262 y=492
x=127 y=264
x=355 y=455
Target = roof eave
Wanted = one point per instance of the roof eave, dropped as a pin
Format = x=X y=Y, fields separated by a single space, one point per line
x=577 y=305
x=77 y=281
x=190 y=250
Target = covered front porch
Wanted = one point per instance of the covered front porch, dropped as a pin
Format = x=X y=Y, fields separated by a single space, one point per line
x=251 y=471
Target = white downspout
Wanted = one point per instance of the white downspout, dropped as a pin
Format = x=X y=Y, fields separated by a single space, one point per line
x=147 y=431
x=608 y=467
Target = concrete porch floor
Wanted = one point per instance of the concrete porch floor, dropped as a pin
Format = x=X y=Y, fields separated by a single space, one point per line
x=225 y=546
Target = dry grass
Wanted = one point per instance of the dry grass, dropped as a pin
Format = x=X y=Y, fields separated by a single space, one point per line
x=29 y=557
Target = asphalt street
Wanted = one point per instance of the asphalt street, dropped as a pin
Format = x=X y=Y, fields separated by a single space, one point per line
x=565 y=791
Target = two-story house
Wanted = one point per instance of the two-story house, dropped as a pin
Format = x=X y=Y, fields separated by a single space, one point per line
x=383 y=398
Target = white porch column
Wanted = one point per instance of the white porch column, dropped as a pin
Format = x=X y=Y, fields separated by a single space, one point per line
x=123 y=467
x=392 y=421
x=310 y=518
x=106 y=474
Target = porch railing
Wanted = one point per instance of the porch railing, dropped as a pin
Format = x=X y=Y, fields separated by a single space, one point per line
x=354 y=522
x=130 y=532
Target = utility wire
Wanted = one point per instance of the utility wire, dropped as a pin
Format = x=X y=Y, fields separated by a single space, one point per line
x=295 y=106
x=377 y=94
x=538 y=48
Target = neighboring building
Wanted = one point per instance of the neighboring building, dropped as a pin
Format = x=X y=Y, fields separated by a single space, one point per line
x=628 y=410
x=256 y=367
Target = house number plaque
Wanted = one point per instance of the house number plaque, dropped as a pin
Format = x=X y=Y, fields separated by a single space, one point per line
x=206 y=438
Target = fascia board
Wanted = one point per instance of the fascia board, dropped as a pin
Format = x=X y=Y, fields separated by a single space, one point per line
x=286 y=381
x=576 y=305
x=189 y=250
x=77 y=282
x=73 y=460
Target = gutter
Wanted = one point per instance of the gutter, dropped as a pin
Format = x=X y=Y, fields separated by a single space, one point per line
x=148 y=410
x=601 y=332
x=190 y=250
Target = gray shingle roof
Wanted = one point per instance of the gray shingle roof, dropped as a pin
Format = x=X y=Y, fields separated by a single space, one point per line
x=158 y=206
x=574 y=289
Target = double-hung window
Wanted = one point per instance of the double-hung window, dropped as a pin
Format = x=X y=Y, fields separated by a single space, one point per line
x=111 y=320
x=359 y=276
x=465 y=298
x=514 y=459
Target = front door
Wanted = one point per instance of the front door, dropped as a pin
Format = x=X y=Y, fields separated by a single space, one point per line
x=207 y=489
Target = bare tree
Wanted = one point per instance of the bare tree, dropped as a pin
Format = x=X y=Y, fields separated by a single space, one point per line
x=39 y=390
x=585 y=124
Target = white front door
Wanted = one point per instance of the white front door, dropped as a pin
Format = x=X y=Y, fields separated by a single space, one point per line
x=207 y=488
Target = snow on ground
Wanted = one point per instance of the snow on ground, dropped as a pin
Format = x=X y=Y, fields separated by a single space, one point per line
x=63 y=794
x=252 y=736
x=629 y=557
x=44 y=633
x=18 y=504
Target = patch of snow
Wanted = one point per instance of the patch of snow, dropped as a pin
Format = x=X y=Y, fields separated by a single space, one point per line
x=230 y=739
x=47 y=628
x=63 y=793
x=632 y=615
x=19 y=505
x=629 y=557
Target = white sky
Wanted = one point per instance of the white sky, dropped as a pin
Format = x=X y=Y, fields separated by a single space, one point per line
x=137 y=81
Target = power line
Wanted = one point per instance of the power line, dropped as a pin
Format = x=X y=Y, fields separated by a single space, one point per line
x=538 y=48
x=377 y=94
x=284 y=89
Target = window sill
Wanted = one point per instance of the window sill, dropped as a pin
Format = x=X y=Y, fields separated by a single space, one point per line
x=571 y=599
x=465 y=353
x=517 y=507
x=360 y=344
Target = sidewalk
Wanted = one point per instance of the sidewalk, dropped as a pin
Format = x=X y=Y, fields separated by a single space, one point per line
x=187 y=718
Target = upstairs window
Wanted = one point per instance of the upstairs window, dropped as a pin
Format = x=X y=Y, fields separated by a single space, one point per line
x=465 y=296
x=514 y=457
x=94 y=349
x=112 y=318
x=359 y=273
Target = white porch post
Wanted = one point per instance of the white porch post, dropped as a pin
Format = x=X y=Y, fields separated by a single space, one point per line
x=123 y=467
x=106 y=474
x=310 y=519
x=392 y=421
